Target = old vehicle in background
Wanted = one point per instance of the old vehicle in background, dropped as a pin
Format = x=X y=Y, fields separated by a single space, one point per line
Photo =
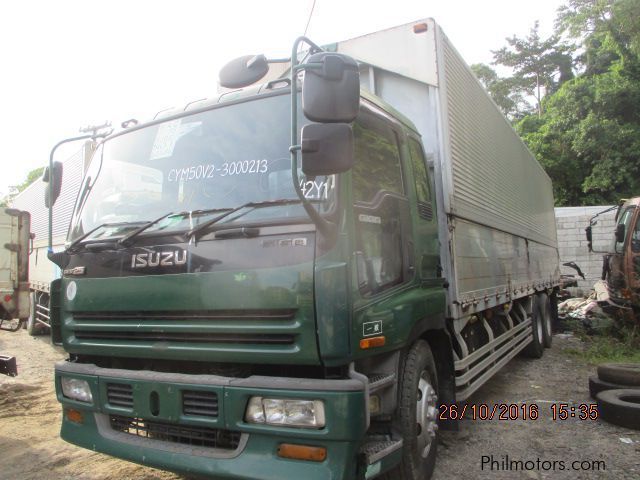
x=227 y=313
x=621 y=263
x=14 y=273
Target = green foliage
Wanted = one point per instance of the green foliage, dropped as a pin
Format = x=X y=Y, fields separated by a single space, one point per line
x=619 y=344
x=605 y=350
x=32 y=176
x=580 y=18
x=588 y=134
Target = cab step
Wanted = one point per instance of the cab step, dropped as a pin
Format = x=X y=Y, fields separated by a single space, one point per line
x=375 y=450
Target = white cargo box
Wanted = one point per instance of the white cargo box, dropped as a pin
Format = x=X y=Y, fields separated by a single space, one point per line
x=494 y=200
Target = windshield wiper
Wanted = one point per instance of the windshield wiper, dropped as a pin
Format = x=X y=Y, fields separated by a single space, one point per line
x=195 y=231
x=126 y=240
x=72 y=246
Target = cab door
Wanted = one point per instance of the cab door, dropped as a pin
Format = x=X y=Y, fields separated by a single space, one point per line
x=383 y=256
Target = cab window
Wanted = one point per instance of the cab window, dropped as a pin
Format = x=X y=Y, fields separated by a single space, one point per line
x=379 y=203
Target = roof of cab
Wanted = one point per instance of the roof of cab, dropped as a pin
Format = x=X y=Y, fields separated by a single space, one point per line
x=257 y=91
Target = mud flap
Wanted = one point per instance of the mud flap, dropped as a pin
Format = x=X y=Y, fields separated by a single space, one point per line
x=54 y=312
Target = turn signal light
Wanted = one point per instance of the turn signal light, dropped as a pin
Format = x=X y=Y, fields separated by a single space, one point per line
x=302 y=452
x=372 y=342
x=73 y=415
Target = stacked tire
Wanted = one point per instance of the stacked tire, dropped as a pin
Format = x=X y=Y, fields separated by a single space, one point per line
x=617 y=391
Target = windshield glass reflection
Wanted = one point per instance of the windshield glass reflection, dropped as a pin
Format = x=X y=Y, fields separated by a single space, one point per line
x=194 y=166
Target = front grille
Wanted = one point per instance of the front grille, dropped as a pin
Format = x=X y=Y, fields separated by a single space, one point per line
x=194 y=337
x=255 y=314
x=204 y=404
x=120 y=395
x=183 y=434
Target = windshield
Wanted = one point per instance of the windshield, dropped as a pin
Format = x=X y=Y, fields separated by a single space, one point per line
x=194 y=166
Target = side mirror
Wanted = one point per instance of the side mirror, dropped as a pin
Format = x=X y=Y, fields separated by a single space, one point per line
x=620 y=233
x=243 y=71
x=54 y=179
x=327 y=148
x=331 y=88
x=588 y=232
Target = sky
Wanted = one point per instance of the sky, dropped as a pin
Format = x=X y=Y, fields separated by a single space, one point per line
x=66 y=64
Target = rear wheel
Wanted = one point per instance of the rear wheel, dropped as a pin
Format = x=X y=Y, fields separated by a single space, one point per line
x=536 y=348
x=546 y=316
x=417 y=417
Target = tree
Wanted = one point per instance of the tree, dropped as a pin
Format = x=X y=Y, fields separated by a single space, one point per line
x=502 y=91
x=609 y=31
x=588 y=137
x=582 y=18
x=587 y=142
x=32 y=176
x=535 y=63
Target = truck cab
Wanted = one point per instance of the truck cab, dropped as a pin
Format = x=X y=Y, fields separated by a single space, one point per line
x=233 y=295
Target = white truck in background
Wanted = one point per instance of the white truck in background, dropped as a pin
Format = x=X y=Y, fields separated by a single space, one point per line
x=14 y=271
x=41 y=270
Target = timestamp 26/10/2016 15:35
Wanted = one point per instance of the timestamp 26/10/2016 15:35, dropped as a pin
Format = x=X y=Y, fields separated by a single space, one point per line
x=518 y=411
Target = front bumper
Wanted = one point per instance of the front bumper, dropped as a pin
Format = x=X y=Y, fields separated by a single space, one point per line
x=158 y=397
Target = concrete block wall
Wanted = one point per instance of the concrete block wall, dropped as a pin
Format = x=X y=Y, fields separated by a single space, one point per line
x=572 y=240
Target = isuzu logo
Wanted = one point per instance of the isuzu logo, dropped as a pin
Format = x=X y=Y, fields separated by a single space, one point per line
x=155 y=259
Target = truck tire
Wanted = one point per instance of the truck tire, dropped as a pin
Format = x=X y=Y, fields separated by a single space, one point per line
x=553 y=301
x=535 y=349
x=417 y=415
x=597 y=385
x=620 y=407
x=544 y=304
x=627 y=374
x=33 y=328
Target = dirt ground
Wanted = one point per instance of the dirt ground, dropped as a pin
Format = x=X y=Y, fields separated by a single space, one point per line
x=31 y=448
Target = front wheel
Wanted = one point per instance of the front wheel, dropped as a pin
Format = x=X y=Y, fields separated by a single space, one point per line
x=417 y=416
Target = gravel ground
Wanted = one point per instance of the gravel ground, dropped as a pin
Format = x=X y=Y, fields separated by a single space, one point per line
x=31 y=448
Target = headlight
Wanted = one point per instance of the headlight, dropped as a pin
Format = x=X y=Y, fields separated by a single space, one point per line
x=76 y=389
x=286 y=412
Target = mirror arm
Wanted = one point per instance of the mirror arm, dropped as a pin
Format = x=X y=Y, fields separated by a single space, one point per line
x=92 y=136
x=326 y=228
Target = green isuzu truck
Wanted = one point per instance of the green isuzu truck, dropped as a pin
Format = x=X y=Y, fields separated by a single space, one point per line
x=288 y=280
